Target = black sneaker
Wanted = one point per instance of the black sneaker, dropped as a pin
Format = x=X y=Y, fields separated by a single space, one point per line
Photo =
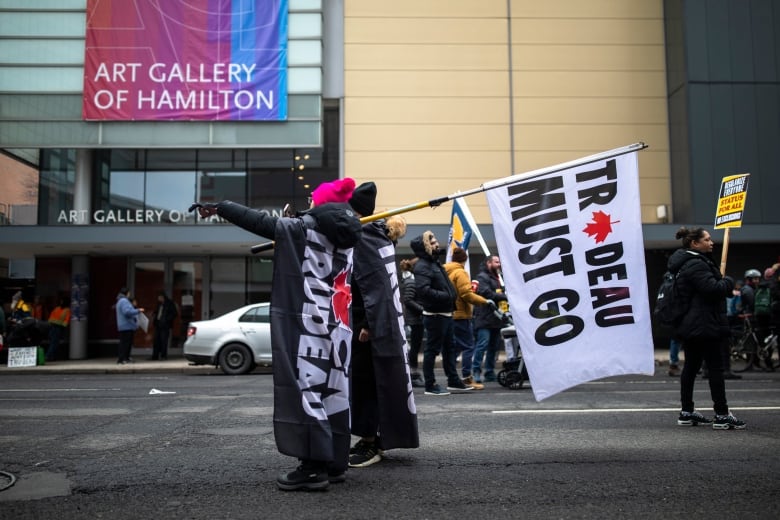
x=728 y=422
x=306 y=477
x=363 y=454
x=435 y=390
x=337 y=478
x=692 y=419
x=459 y=386
x=418 y=381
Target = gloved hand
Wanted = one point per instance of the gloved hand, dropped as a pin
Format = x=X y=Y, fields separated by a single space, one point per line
x=491 y=305
x=204 y=210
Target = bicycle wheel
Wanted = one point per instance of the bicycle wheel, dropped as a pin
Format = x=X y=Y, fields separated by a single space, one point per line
x=742 y=353
x=769 y=354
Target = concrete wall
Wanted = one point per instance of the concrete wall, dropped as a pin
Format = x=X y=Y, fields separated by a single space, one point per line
x=437 y=100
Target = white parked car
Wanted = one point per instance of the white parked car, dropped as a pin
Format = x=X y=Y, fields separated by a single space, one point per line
x=237 y=342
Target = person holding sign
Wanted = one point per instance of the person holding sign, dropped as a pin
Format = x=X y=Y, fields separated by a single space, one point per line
x=704 y=326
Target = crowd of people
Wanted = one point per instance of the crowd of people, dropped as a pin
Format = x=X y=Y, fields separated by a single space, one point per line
x=348 y=329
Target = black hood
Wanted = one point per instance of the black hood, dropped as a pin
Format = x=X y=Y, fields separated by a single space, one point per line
x=338 y=222
x=681 y=256
x=421 y=245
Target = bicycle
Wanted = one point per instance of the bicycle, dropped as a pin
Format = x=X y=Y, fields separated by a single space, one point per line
x=748 y=351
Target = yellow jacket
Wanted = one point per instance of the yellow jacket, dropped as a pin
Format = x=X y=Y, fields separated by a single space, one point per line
x=466 y=297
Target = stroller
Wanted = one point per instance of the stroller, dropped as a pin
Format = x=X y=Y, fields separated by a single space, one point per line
x=514 y=373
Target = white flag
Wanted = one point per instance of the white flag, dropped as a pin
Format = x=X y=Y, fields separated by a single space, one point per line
x=572 y=255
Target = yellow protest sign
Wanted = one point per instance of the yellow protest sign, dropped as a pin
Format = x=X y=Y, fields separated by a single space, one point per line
x=731 y=201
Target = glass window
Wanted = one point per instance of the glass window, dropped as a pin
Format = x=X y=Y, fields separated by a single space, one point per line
x=169 y=195
x=228 y=285
x=56 y=187
x=260 y=276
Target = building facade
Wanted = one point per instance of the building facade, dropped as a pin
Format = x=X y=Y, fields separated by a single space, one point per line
x=424 y=98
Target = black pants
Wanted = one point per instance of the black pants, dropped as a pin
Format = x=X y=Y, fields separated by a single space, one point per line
x=415 y=345
x=160 y=345
x=365 y=404
x=125 y=344
x=709 y=351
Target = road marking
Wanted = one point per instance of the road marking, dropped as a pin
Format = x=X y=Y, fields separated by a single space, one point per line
x=622 y=410
x=11 y=390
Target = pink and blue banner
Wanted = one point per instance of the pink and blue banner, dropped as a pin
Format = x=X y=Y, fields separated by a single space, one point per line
x=186 y=60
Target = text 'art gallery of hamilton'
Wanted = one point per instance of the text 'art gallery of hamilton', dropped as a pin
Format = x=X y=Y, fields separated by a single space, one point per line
x=116 y=116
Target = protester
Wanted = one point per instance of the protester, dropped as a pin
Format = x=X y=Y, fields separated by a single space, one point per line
x=164 y=315
x=704 y=327
x=37 y=309
x=310 y=329
x=772 y=275
x=126 y=323
x=59 y=319
x=486 y=324
x=437 y=297
x=2 y=324
x=463 y=332
x=382 y=404
x=412 y=318
x=20 y=309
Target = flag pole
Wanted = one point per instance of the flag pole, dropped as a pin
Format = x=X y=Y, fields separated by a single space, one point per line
x=433 y=203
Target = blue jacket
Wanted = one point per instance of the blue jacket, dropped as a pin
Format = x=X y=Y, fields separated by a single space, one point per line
x=126 y=314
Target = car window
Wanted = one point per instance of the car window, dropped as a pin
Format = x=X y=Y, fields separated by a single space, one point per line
x=256 y=315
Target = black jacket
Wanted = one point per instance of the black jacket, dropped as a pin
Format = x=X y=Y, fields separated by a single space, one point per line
x=700 y=282
x=165 y=319
x=412 y=309
x=435 y=292
x=484 y=315
x=336 y=221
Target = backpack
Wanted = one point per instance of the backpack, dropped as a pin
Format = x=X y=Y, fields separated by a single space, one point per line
x=762 y=303
x=670 y=307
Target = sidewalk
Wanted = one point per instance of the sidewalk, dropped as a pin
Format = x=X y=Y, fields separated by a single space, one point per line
x=107 y=365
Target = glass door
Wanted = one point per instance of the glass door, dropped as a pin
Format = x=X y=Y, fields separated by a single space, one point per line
x=148 y=279
x=182 y=281
x=187 y=293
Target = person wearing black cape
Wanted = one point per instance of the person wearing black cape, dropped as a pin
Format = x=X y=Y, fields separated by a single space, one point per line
x=384 y=415
x=311 y=332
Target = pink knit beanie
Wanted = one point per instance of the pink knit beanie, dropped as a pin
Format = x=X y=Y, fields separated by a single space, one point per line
x=339 y=190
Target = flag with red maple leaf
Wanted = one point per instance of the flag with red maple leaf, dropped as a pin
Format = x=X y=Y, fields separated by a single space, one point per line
x=600 y=226
x=572 y=255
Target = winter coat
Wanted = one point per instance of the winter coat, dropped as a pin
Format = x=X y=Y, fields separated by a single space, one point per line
x=165 y=319
x=126 y=314
x=490 y=289
x=700 y=282
x=336 y=221
x=467 y=298
x=412 y=309
x=435 y=292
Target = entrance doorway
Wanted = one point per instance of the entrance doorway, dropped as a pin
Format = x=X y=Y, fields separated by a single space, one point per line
x=183 y=282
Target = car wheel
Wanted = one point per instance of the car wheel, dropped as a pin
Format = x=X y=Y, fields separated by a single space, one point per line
x=235 y=359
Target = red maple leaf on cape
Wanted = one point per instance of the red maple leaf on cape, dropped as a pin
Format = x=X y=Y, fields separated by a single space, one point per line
x=600 y=226
x=342 y=297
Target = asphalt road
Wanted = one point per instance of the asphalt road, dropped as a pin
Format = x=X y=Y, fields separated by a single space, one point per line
x=103 y=446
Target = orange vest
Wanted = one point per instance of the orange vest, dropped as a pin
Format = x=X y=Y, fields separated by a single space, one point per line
x=60 y=316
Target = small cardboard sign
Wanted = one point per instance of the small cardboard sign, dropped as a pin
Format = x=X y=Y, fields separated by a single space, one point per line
x=22 y=357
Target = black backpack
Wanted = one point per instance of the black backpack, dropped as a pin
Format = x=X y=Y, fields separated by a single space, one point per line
x=670 y=306
x=762 y=302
